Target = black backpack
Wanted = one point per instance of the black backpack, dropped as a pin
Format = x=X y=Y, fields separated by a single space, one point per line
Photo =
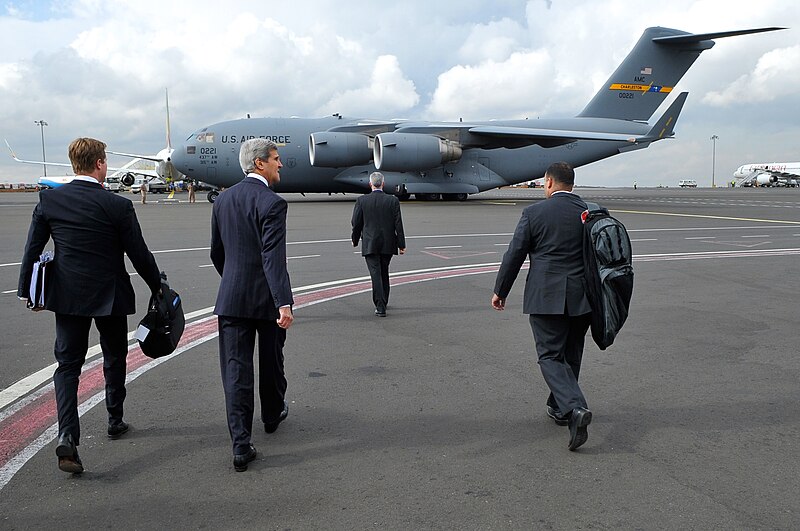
x=164 y=322
x=607 y=260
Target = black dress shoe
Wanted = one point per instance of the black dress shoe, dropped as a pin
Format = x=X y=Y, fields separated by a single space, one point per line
x=578 y=422
x=272 y=425
x=67 y=453
x=117 y=430
x=558 y=418
x=240 y=460
x=380 y=313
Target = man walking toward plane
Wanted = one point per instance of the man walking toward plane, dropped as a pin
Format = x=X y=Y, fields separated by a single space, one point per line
x=551 y=233
x=248 y=249
x=92 y=231
x=378 y=222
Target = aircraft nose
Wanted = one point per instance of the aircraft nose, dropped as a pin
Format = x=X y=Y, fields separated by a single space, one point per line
x=177 y=157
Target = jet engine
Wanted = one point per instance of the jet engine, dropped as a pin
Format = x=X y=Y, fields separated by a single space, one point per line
x=334 y=150
x=766 y=179
x=413 y=152
x=128 y=179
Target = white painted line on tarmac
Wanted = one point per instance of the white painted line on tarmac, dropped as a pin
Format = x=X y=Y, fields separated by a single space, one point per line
x=304 y=256
x=756 y=236
x=11 y=264
x=645 y=240
x=446 y=247
x=700 y=238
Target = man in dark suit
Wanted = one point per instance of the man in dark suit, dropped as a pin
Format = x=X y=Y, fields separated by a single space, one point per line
x=551 y=233
x=378 y=223
x=92 y=229
x=248 y=249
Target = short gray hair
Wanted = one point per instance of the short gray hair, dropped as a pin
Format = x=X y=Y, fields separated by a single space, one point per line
x=255 y=148
x=376 y=179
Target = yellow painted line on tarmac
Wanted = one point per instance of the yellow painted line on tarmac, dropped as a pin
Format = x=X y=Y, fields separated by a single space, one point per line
x=171 y=195
x=705 y=216
x=499 y=203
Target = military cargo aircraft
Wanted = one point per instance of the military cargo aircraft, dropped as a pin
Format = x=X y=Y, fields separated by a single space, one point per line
x=450 y=160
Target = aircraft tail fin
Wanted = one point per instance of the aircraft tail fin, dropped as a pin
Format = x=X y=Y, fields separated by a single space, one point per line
x=650 y=72
x=169 y=142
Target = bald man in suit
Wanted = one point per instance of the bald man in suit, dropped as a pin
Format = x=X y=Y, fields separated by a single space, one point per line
x=551 y=233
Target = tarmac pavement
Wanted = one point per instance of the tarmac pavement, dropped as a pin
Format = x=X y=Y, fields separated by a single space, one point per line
x=433 y=418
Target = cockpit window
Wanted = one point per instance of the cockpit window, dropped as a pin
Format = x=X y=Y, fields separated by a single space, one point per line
x=206 y=137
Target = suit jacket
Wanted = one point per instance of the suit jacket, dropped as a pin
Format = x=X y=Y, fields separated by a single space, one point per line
x=378 y=222
x=92 y=229
x=248 y=249
x=550 y=232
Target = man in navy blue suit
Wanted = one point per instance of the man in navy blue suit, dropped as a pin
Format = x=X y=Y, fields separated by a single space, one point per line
x=378 y=223
x=92 y=231
x=551 y=233
x=248 y=249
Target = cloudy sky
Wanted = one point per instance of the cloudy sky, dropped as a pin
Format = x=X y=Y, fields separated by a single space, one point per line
x=100 y=68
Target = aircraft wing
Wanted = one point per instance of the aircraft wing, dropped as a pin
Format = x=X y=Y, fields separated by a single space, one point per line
x=135 y=156
x=546 y=137
x=504 y=136
x=368 y=127
x=125 y=168
x=14 y=156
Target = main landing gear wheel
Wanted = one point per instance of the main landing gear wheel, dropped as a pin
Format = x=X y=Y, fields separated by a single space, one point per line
x=427 y=197
x=455 y=197
x=212 y=196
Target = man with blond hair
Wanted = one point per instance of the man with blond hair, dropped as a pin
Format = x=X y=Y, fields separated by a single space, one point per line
x=92 y=231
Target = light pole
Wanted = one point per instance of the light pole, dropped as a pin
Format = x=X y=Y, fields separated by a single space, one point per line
x=713 y=158
x=41 y=124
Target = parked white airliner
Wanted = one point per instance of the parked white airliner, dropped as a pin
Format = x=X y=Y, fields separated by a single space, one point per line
x=768 y=174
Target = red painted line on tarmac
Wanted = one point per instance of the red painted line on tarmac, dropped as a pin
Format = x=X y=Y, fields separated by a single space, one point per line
x=22 y=427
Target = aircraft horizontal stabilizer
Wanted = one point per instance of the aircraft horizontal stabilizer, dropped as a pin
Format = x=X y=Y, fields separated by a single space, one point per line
x=691 y=38
x=664 y=127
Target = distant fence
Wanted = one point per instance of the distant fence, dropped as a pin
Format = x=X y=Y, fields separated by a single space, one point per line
x=19 y=187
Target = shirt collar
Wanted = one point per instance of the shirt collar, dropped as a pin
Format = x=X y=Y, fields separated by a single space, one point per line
x=259 y=177
x=86 y=178
x=561 y=192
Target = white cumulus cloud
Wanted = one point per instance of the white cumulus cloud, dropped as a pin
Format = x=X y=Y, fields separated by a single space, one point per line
x=777 y=74
x=386 y=93
x=513 y=88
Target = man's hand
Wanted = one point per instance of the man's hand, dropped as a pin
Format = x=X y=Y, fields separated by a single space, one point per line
x=402 y=250
x=286 y=319
x=498 y=303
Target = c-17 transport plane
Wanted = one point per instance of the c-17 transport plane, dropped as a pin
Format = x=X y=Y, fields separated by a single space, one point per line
x=451 y=160
x=769 y=174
